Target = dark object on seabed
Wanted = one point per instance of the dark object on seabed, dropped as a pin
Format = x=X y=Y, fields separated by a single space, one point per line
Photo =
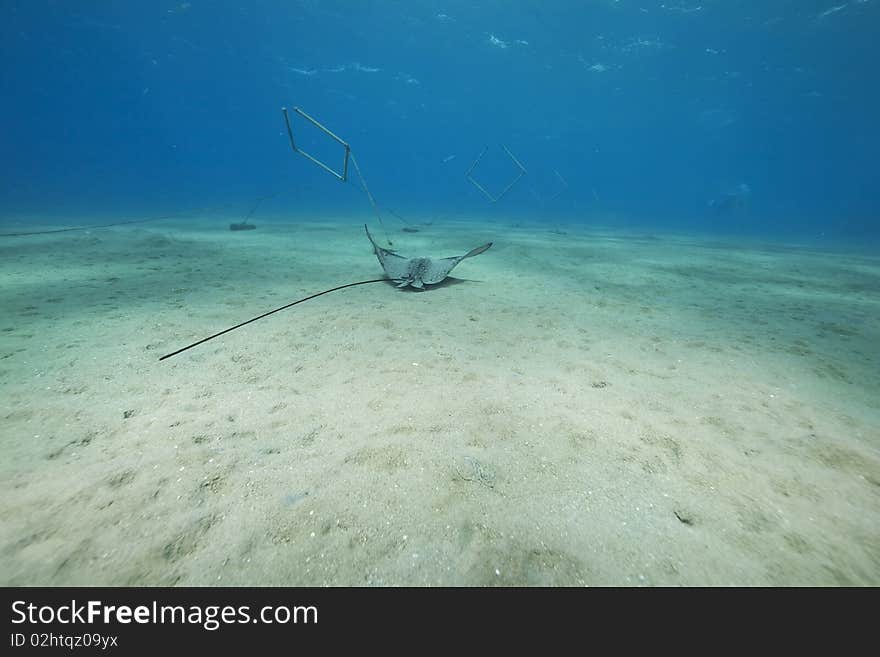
x=244 y=225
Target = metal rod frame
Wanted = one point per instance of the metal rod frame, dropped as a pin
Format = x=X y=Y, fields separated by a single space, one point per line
x=561 y=189
x=495 y=199
x=349 y=155
x=341 y=176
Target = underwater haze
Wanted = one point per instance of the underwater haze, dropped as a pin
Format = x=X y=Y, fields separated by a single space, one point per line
x=510 y=293
x=650 y=111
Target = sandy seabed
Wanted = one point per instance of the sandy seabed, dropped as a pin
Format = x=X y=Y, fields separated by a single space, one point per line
x=588 y=408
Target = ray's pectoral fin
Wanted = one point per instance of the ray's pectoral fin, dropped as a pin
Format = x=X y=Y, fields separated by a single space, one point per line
x=440 y=269
x=477 y=251
x=394 y=264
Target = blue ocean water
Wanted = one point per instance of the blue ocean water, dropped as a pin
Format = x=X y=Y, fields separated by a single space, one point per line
x=749 y=117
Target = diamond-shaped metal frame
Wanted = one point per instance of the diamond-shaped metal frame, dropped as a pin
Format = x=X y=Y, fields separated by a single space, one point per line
x=341 y=176
x=495 y=199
